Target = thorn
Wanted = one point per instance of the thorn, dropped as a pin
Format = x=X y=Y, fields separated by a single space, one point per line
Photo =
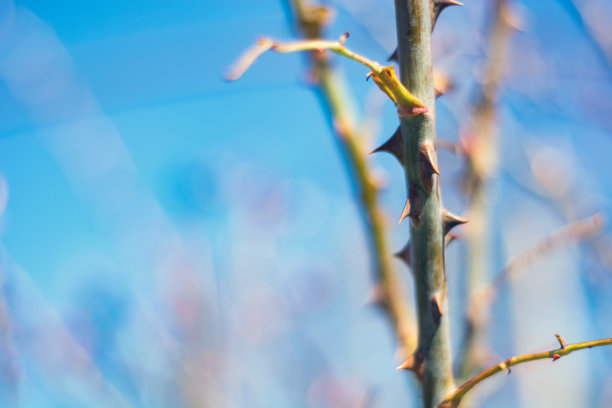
x=450 y=237
x=369 y=75
x=448 y=404
x=343 y=38
x=436 y=308
x=427 y=153
x=394 y=146
x=561 y=341
x=438 y=6
x=450 y=221
x=377 y=296
x=406 y=212
x=415 y=363
x=427 y=167
x=404 y=254
x=505 y=367
x=394 y=56
x=416 y=204
x=442 y=83
x=555 y=357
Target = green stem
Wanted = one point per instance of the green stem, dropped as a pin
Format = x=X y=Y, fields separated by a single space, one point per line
x=414 y=26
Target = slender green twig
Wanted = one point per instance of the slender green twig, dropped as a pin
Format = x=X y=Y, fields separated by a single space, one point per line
x=453 y=399
x=479 y=307
x=384 y=77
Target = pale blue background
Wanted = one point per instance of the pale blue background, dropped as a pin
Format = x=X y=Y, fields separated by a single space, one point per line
x=171 y=239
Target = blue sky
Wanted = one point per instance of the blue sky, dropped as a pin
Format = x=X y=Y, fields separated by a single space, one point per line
x=172 y=239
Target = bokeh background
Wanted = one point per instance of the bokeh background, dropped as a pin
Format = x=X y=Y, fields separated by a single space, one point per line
x=169 y=239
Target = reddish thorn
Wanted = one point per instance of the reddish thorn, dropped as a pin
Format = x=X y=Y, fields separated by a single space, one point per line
x=556 y=357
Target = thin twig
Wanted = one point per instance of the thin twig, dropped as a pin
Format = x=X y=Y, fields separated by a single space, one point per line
x=453 y=399
x=573 y=232
x=384 y=77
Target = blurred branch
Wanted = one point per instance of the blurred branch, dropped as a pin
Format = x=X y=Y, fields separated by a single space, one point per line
x=480 y=305
x=480 y=148
x=548 y=180
x=389 y=291
x=585 y=21
x=453 y=399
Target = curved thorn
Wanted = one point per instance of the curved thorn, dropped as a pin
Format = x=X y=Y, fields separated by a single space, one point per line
x=438 y=6
x=450 y=221
x=394 y=146
x=406 y=212
x=415 y=363
x=404 y=254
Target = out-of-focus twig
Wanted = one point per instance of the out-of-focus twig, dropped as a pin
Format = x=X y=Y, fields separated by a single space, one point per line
x=453 y=399
x=585 y=21
x=577 y=231
x=389 y=291
x=480 y=148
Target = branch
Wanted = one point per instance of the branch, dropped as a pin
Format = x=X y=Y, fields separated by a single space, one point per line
x=429 y=221
x=480 y=147
x=454 y=398
x=573 y=232
x=388 y=292
x=384 y=77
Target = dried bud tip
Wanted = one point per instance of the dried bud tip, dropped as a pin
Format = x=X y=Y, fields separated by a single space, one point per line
x=343 y=38
x=561 y=341
x=504 y=366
